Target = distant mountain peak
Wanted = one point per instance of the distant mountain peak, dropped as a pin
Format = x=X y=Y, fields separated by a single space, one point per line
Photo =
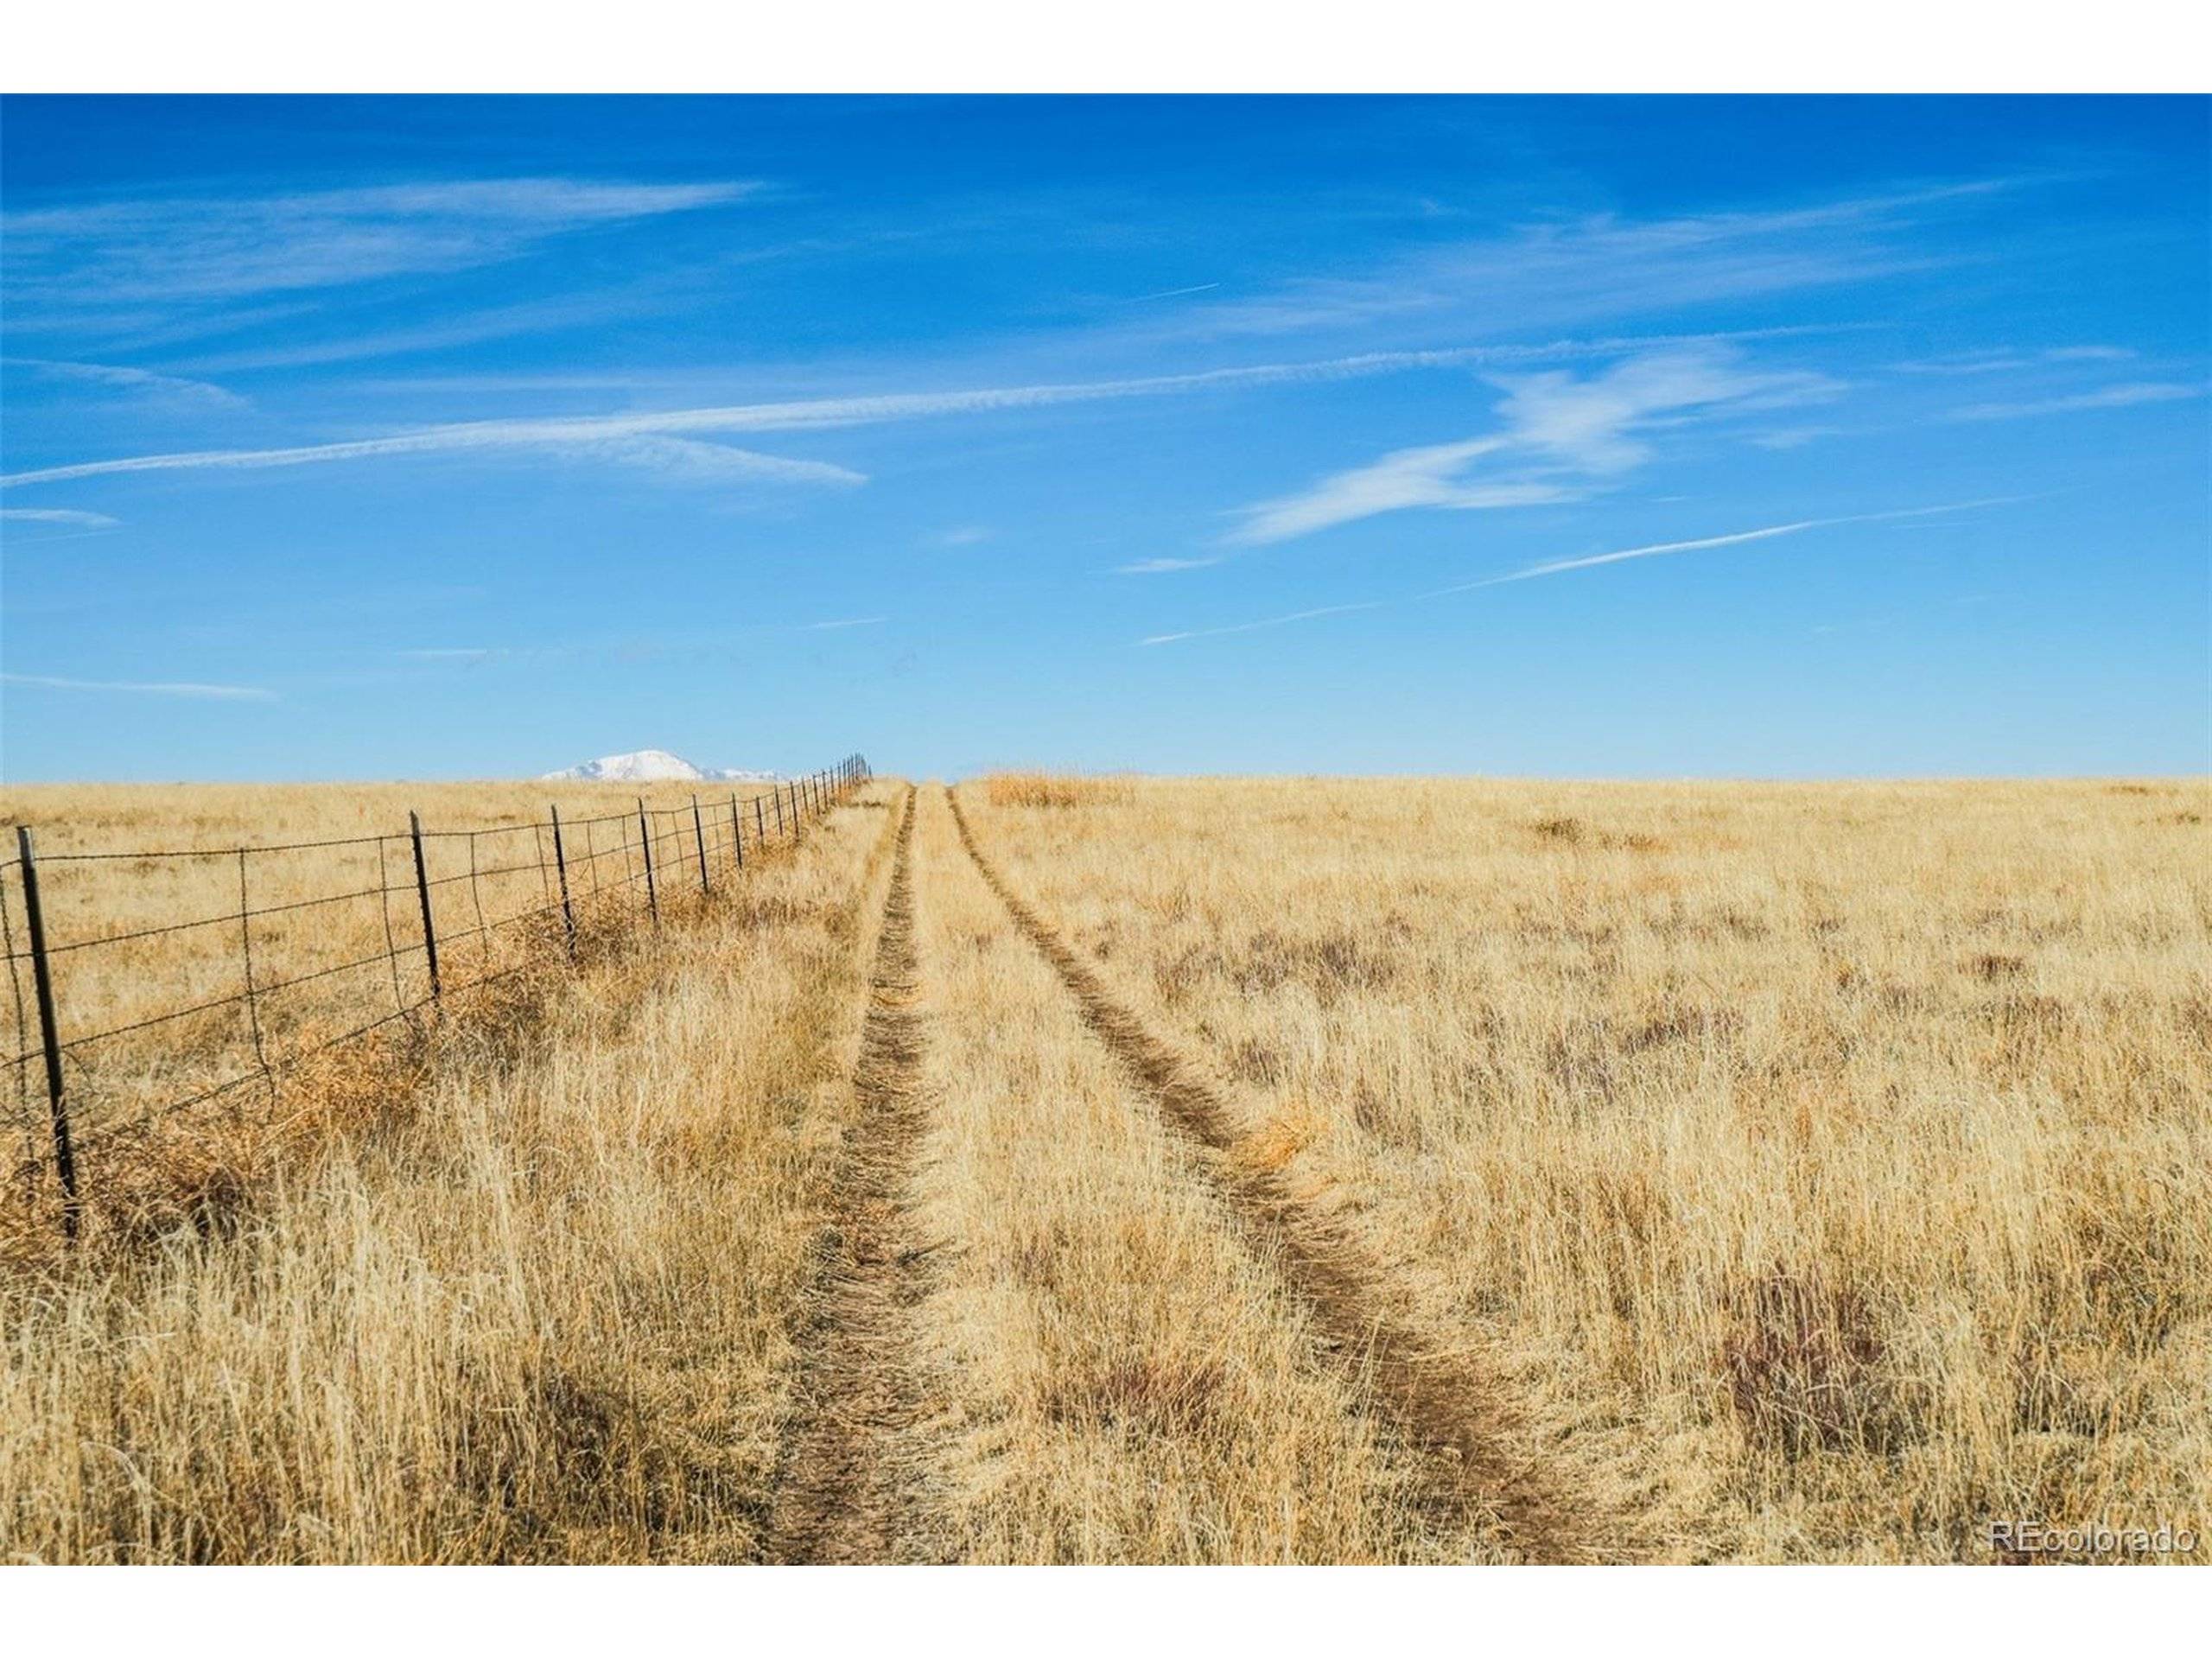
x=655 y=766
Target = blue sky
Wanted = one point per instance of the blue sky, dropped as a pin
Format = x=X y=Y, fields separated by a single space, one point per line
x=354 y=438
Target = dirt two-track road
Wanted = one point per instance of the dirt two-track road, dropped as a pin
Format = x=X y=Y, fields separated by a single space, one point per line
x=974 y=1382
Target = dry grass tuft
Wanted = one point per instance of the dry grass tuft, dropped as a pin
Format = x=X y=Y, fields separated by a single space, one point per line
x=1054 y=789
x=1802 y=1361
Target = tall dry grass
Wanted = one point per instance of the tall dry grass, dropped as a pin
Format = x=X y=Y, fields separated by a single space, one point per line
x=1114 y=1374
x=1055 y=789
x=540 y=1314
x=1832 y=1164
x=1810 y=1172
x=337 y=922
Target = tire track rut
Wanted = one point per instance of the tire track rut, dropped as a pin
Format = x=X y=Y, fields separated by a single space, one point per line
x=1457 y=1421
x=844 y=1478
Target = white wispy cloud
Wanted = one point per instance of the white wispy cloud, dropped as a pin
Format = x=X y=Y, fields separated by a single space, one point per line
x=688 y=460
x=635 y=442
x=1557 y=567
x=845 y=622
x=215 y=248
x=1795 y=437
x=1162 y=566
x=469 y=328
x=803 y=414
x=452 y=653
x=961 y=535
x=1565 y=432
x=147 y=687
x=2120 y=397
x=1569 y=271
x=1264 y=622
x=143 y=383
x=74 y=517
x=1172 y=294
x=2007 y=359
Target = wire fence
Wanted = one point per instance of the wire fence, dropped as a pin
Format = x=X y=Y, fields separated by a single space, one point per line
x=224 y=970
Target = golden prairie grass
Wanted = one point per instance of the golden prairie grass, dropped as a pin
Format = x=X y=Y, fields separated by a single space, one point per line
x=542 y=1315
x=1049 y=789
x=1807 y=1172
x=334 y=941
x=1131 y=1382
x=1829 y=1164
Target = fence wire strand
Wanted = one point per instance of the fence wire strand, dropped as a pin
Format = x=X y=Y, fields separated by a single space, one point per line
x=669 y=839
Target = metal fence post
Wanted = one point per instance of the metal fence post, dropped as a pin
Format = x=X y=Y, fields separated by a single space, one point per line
x=423 y=888
x=777 y=791
x=65 y=1152
x=736 y=831
x=561 y=863
x=699 y=835
x=759 y=821
x=646 y=837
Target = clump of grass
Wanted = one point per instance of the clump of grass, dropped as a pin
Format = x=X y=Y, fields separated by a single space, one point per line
x=1801 y=1362
x=1054 y=789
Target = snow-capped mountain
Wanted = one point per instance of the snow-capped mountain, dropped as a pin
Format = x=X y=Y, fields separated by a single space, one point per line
x=656 y=766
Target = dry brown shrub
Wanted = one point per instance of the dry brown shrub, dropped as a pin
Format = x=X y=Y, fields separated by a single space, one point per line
x=1801 y=1362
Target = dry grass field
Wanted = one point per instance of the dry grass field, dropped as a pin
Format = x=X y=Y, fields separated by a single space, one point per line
x=538 y=1307
x=310 y=897
x=1824 y=1171
x=1122 y=1170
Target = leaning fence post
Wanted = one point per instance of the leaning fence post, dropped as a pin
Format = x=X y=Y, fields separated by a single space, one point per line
x=777 y=792
x=798 y=815
x=736 y=831
x=561 y=863
x=645 y=839
x=65 y=1152
x=699 y=835
x=759 y=821
x=423 y=888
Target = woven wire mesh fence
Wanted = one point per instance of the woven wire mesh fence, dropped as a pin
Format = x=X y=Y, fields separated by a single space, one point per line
x=150 y=985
